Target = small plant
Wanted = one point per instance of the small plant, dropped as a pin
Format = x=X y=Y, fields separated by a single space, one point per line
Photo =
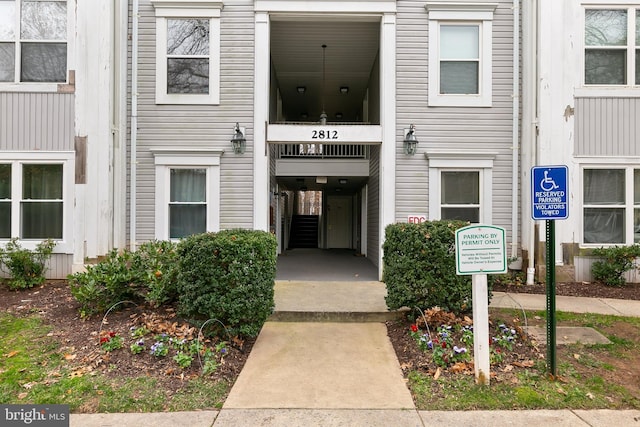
x=183 y=359
x=137 y=347
x=111 y=341
x=25 y=267
x=159 y=349
x=616 y=261
x=138 y=332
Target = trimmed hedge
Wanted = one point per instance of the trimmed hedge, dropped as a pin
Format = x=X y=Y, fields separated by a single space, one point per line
x=419 y=267
x=228 y=276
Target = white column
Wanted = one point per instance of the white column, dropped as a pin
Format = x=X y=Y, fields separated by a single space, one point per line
x=388 y=123
x=261 y=117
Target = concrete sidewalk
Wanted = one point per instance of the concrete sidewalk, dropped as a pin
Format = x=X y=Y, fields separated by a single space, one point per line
x=318 y=373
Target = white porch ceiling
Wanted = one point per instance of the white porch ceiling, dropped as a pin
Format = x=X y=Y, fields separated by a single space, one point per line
x=296 y=54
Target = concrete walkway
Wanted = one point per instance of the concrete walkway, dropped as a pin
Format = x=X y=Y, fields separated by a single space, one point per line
x=313 y=372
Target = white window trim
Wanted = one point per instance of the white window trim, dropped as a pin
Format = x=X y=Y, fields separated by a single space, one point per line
x=461 y=13
x=610 y=90
x=628 y=205
x=67 y=159
x=166 y=9
x=453 y=161
x=48 y=87
x=167 y=158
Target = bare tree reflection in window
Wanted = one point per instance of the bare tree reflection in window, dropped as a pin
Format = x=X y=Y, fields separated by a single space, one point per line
x=606 y=38
x=188 y=56
x=44 y=62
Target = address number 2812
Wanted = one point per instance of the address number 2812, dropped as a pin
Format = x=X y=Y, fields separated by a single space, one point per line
x=324 y=134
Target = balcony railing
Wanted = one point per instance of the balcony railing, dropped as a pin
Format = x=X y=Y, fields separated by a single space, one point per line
x=322 y=151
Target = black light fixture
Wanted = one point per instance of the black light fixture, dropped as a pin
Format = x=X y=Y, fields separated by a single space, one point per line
x=238 y=141
x=344 y=90
x=410 y=143
x=301 y=89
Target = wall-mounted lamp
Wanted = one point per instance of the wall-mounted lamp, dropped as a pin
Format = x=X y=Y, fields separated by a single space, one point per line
x=344 y=90
x=238 y=141
x=301 y=89
x=410 y=143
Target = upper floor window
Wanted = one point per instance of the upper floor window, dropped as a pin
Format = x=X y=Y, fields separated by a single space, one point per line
x=33 y=41
x=612 y=46
x=460 y=54
x=187 y=52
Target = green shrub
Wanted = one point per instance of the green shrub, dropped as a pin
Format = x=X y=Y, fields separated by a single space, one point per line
x=616 y=260
x=25 y=267
x=105 y=283
x=155 y=270
x=228 y=276
x=420 y=270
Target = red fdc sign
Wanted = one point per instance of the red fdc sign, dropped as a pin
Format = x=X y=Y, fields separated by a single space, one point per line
x=416 y=219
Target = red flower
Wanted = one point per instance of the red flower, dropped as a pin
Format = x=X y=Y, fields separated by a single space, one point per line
x=414 y=328
x=112 y=334
x=104 y=340
x=444 y=345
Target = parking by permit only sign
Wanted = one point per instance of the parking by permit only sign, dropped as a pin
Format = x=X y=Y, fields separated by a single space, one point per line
x=480 y=249
x=549 y=192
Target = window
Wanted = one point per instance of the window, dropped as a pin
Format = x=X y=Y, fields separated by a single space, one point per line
x=187 y=52
x=187 y=192
x=34 y=190
x=460 y=63
x=33 y=41
x=460 y=195
x=611 y=206
x=612 y=46
x=459 y=184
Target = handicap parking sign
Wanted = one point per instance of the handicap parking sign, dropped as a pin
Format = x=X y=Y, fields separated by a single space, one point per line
x=549 y=192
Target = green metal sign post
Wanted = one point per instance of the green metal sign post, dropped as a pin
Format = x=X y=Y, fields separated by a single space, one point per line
x=551 y=298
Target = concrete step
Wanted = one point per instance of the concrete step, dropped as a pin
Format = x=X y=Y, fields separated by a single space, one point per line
x=337 y=301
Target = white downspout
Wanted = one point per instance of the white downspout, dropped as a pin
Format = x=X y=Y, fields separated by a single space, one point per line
x=134 y=124
x=515 y=129
x=529 y=125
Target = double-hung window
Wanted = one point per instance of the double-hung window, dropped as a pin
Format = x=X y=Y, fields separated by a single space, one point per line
x=460 y=54
x=460 y=185
x=612 y=46
x=611 y=205
x=187 y=52
x=34 y=193
x=187 y=192
x=33 y=41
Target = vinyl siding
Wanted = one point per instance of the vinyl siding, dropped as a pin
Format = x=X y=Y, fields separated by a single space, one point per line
x=469 y=129
x=36 y=121
x=373 y=207
x=209 y=126
x=607 y=126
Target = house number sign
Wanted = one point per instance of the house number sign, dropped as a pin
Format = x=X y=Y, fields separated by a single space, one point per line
x=324 y=134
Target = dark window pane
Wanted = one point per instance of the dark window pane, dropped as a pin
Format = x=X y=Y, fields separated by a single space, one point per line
x=460 y=188
x=604 y=187
x=637 y=67
x=605 y=27
x=7 y=62
x=636 y=226
x=41 y=220
x=185 y=220
x=5 y=181
x=459 y=77
x=604 y=225
x=5 y=220
x=44 y=62
x=43 y=20
x=462 y=214
x=188 y=75
x=42 y=182
x=605 y=67
x=187 y=37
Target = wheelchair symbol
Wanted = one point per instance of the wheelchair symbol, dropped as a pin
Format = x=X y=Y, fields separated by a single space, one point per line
x=547 y=183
